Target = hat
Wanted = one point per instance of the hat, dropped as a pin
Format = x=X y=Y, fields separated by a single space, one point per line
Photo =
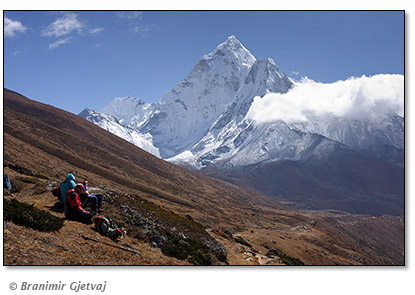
x=80 y=185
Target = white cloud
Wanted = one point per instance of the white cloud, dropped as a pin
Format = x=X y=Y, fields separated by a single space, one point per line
x=68 y=26
x=95 y=31
x=355 y=98
x=134 y=21
x=64 y=25
x=141 y=30
x=12 y=27
x=59 y=42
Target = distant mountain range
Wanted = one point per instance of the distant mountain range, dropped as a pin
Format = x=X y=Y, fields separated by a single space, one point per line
x=325 y=162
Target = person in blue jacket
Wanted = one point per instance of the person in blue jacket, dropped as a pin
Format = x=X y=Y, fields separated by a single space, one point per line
x=67 y=185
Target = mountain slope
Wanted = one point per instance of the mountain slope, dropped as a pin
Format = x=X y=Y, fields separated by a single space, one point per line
x=344 y=181
x=52 y=143
x=383 y=137
x=111 y=124
x=309 y=170
x=84 y=145
x=152 y=197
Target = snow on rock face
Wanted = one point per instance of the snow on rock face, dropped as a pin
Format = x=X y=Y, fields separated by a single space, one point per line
x=112 y=125
x=249 y=144
x=229 y=131
x=377 y=137
x=129 y=111
x=204 y=120
x=357 y=133
x=264 y=77
x=185 y=113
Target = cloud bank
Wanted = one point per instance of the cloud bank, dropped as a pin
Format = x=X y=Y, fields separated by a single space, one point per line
x=11 y=28
x=364 y=98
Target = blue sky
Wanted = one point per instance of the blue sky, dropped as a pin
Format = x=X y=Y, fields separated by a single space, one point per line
x=79 y=59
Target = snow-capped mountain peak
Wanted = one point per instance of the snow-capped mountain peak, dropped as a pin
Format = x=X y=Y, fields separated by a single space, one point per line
x=185 y=113
x=232 y=50
x=217 y=90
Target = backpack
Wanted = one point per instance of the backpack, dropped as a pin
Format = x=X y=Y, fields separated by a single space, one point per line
x=56 y=191
x=107 y=228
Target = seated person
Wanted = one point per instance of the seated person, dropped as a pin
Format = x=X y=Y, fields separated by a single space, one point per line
x=94 y=200
x=67 y=184
x=74 y=210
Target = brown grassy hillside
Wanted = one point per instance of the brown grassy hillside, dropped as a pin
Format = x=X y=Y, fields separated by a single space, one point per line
x=150 y=196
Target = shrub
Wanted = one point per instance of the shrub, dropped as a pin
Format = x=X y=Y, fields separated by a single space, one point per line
x=17 y=186
x=30 y=216
x=28 y=180
x=20 y=169
x=40 y=176
x=241 y=240
x=187 y=249
x=288 y=260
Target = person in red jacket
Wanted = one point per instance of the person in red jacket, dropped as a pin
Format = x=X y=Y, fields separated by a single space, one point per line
x=94 y=200
x=74 y=210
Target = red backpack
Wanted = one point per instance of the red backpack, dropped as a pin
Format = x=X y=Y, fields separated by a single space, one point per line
x=56 y=191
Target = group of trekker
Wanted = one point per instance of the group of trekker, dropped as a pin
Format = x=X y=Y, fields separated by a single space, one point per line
x=75 y=198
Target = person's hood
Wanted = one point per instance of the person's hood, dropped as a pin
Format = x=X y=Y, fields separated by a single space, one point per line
x=70 y=177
